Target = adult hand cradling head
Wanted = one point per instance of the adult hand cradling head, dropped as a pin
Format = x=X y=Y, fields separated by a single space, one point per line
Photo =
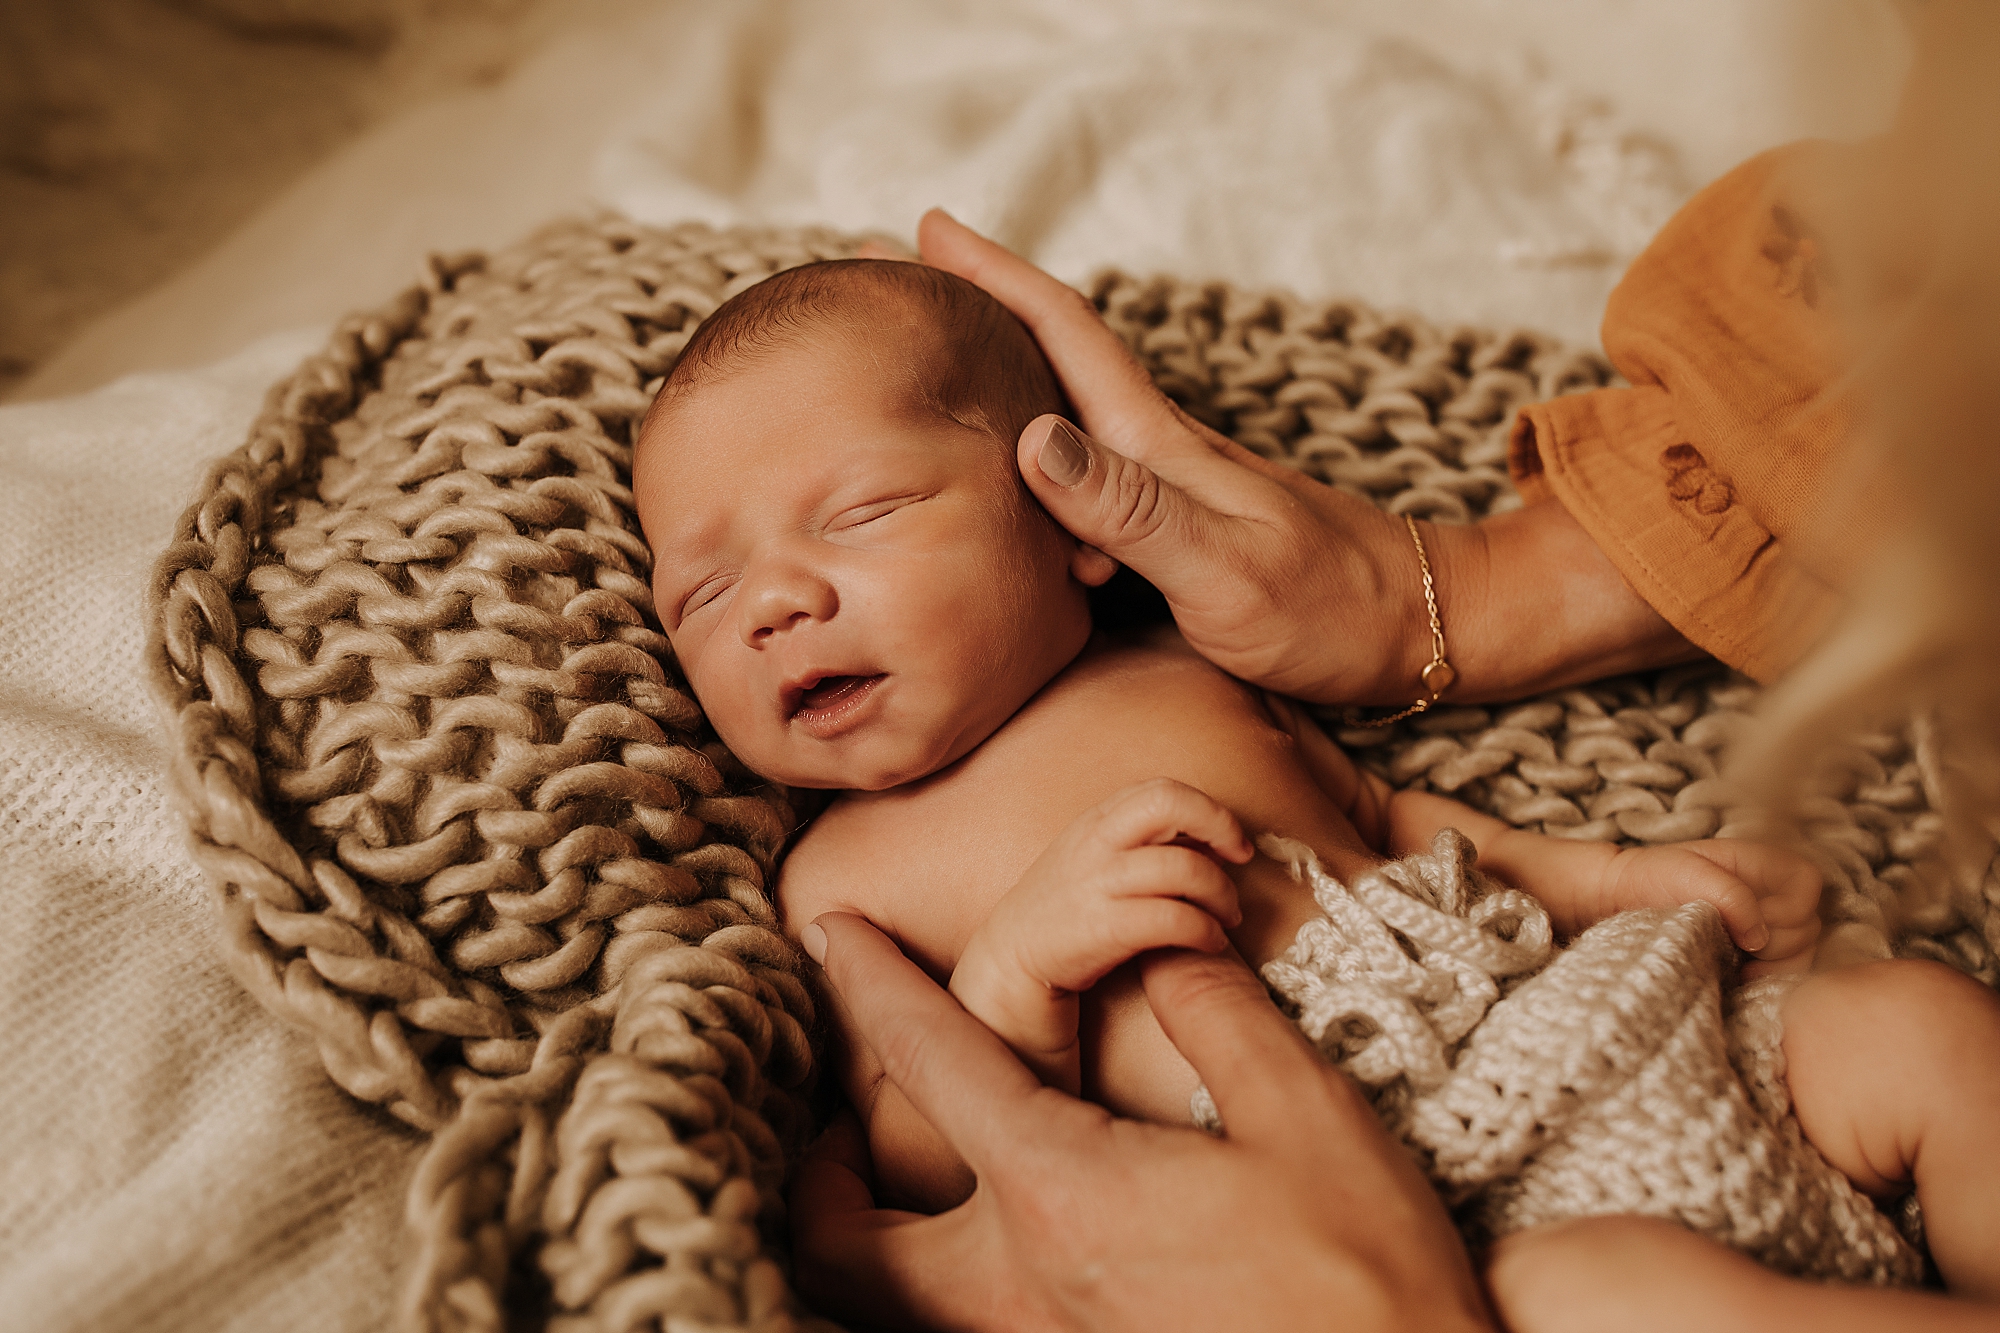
x=1277 y=578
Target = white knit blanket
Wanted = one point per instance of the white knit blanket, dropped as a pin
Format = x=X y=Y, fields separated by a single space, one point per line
x=1537 y=1084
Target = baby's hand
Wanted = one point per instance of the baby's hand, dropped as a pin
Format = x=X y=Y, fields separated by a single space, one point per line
x=1769 y=898
x=1136 y=872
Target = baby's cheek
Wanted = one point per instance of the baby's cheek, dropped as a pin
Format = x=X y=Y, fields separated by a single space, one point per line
x=728 y=712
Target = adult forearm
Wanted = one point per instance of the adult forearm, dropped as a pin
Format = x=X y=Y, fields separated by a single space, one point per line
x=1529 y=603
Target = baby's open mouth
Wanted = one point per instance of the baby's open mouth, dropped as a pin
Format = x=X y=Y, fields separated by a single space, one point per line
x=828 y=700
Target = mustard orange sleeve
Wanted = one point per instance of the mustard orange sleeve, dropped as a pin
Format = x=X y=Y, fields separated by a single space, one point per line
x=1706 y=481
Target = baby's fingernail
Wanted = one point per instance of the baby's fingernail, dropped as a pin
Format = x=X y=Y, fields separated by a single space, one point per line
x=1760 y=938
x=814 y=939
x=1063 y=458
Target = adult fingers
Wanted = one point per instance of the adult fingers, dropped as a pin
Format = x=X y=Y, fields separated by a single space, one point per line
x=1162 y=810
x=835 y=1178
x=957 y=1074
x=1185 y=546
x=1268 y=1084
x=858 y=1261
x=1109 y=388
x=1111 y=391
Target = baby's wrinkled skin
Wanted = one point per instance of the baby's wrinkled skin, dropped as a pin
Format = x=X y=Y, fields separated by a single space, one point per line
x=866 y=599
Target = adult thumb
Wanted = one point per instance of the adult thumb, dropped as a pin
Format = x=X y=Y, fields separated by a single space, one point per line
x=1119 y=505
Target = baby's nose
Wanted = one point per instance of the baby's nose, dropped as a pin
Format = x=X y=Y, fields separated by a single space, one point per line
x=782 y=601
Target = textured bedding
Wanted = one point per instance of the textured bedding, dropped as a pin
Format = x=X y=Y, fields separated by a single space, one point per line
x=176 y=1158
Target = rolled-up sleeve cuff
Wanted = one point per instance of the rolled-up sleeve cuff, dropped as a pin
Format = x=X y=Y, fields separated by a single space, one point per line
x=1623 y=467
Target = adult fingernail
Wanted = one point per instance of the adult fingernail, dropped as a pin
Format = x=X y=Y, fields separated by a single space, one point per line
x=1064 y=459
x=815 y=941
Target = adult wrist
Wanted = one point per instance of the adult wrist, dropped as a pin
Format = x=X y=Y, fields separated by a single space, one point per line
x=1437 y=674
x=1361 y=636
x=1532 y=603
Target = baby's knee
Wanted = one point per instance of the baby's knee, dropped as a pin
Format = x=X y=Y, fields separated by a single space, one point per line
x=1899 y=1009
x=1872 y=1051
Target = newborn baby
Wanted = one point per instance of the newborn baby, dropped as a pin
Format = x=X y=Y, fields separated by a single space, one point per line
x=867 y=600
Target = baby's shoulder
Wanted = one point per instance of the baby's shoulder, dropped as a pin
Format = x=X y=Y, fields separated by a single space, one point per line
x=1143 y=708
x=1154 y=685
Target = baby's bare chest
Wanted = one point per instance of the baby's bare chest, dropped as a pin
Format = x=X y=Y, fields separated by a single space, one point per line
x=928 y=862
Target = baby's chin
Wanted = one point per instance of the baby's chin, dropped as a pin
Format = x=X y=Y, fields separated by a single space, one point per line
x=859 y=770
x=857 y=779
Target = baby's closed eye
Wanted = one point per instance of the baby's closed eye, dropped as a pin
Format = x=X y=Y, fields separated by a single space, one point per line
x=874 y=511
x=701 y=596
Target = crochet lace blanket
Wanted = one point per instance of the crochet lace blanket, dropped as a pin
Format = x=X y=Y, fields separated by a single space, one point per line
x=466 y=828
x=1538 y=1085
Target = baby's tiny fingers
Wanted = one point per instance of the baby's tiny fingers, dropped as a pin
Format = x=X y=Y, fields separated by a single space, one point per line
x=1686 y=873
x=1115 y=931
x=1173 y=872
x=1786 y=884
x=1790 y=944
x=1748 y=929
x=1139 y=924
x=1162 y=810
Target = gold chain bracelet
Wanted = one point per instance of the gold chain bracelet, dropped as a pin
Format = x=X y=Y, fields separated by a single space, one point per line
x=1439 y=675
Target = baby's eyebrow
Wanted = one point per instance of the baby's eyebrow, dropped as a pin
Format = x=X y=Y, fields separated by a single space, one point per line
x=689 y=539
x=674 y=570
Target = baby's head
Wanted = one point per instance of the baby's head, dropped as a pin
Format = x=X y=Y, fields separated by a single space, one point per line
x=856 y=581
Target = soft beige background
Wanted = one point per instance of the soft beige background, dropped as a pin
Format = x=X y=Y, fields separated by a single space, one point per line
x=1481 y=159
x=175 y=1160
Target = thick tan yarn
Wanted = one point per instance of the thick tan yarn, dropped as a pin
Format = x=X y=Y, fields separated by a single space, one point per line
x=1538 y=1085
x=464 y=826
x=468 y=830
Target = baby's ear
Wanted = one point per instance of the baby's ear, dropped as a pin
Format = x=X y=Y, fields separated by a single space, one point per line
x=1091 y=566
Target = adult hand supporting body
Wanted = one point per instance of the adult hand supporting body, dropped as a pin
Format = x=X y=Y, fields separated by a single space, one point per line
x=1282 y=580
x=1304 y=1215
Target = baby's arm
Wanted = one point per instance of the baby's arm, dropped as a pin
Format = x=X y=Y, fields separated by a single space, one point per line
x=1128 y=875
x=1768 y=898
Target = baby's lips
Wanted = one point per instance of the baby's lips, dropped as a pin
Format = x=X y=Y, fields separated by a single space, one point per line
x=791 y=692
x=799 y=693
x=795 y=689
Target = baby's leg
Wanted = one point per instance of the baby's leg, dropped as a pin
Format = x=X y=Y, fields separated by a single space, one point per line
x=1894 y=1070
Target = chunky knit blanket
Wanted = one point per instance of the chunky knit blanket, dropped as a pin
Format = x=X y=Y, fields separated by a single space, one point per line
x=467 y=829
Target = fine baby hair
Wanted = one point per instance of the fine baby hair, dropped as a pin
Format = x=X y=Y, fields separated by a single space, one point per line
x=976 y=364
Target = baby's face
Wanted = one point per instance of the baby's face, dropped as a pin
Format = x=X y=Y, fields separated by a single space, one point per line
x=858 y=591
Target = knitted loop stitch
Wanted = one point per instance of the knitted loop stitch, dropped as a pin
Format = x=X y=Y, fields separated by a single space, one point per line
x=467 y=828
x=1537 y=1086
